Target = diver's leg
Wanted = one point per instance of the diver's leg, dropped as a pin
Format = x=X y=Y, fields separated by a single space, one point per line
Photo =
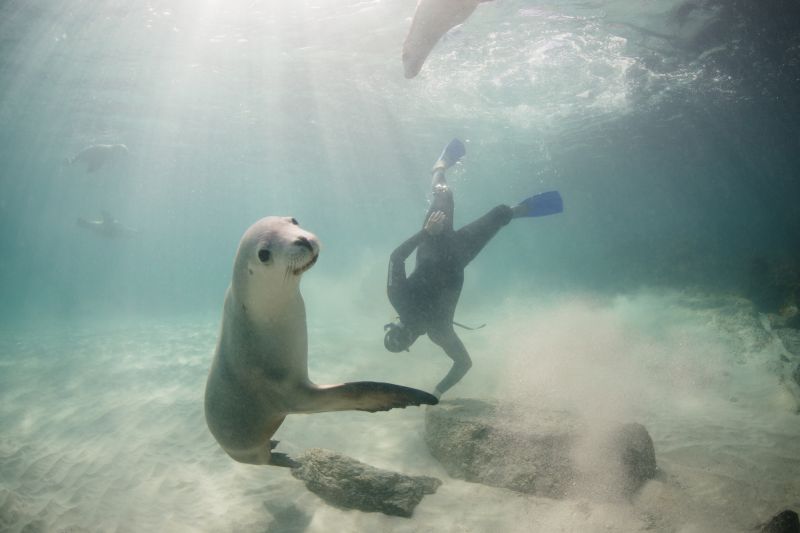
x=438 y=179
x=443 y=202
x=455 y=350
x=474 y=236
x=442 y=196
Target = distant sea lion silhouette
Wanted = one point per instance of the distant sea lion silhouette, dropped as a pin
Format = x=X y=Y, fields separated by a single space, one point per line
x=432 y=19
x=107 y=226
x=260 y=369
x=95 y=156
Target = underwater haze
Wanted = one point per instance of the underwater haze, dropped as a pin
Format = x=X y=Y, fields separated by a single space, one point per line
x=666 y=293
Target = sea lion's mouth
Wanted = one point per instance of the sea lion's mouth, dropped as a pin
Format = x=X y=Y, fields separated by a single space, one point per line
x=299 y=270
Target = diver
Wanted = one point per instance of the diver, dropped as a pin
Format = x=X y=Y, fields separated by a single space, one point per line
x=425 y=301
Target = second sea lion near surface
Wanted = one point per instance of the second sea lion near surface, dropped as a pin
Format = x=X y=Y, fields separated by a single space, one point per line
x=432 y=19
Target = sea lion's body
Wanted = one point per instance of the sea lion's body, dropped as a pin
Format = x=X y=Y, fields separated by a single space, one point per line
x=107 y=226
x=95 y=156
x=260 y=369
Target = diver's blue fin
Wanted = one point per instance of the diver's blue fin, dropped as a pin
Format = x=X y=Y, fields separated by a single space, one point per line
x=451 y=154
x=542 y=204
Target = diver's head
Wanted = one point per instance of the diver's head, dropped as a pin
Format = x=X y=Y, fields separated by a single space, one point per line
x=398 y=338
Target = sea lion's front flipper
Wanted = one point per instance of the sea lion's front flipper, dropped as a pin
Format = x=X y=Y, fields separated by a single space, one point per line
x=363 y=396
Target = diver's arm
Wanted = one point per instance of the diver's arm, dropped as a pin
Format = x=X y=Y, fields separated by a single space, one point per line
x=433 y=226
x=402 y=252
x=397 y=265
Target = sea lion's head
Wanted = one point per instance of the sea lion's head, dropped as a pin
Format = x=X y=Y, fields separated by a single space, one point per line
x=273 y=255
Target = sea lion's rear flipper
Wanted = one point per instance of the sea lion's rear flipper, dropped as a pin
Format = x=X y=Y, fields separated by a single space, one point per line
x=363 y=396
x=281 y=459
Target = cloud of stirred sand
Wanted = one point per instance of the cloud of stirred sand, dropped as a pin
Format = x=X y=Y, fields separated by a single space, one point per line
x=603 y=357
x=658 y=358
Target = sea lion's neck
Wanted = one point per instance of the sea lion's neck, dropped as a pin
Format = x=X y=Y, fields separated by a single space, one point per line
x=267 y=306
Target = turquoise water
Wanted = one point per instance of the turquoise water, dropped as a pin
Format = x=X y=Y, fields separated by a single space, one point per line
x=233 y=111
x=670 y=130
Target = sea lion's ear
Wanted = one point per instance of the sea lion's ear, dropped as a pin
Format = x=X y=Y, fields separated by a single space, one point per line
x=264 y=255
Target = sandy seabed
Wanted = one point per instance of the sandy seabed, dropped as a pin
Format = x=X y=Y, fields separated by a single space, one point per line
x=103 y=429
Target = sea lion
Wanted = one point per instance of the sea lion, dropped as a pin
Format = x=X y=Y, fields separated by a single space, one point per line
x=95 y=156
x=432 y=19
x=107 y=226
x=260 y=369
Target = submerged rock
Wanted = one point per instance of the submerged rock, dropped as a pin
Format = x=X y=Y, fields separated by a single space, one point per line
x=783 y=522
x=787 y=317
x=546 y=453
x=633 y=456
x=345 y=482
x=740 y=321
x=790 y=339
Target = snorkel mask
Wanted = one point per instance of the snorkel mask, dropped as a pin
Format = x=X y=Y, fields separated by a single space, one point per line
x=397 y=338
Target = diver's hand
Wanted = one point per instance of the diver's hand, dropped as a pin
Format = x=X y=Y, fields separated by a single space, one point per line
x=435 y=223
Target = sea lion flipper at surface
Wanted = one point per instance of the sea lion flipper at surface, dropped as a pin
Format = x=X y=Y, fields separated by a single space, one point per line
x=260 y=369
x=432 y=19
x=369 y=396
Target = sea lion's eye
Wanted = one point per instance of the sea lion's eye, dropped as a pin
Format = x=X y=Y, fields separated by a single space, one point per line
x=264 y=255
x=294 y=221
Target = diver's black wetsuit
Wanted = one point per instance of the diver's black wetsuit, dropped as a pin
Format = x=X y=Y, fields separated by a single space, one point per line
x=426 y=300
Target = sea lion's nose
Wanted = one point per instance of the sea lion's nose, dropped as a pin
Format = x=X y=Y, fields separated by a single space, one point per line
x=305 y=243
